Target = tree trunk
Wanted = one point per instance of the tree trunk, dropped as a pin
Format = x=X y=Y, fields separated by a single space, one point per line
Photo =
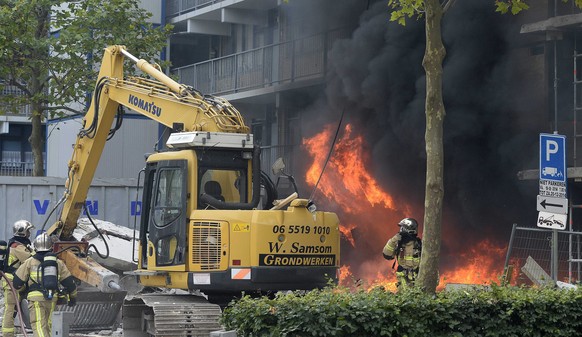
x=36 y=141
x=36 y=88
x=435 y=114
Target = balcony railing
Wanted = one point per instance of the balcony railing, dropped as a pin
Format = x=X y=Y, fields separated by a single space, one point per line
x=177 y=7
x=13 y=168
x=275 y=64
x=12 y=164
x=14 y=91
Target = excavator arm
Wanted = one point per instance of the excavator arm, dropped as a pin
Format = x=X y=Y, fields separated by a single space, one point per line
x=161 y=99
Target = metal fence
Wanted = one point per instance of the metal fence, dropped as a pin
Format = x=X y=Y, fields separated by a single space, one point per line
x=275 y=64
x=558 y=253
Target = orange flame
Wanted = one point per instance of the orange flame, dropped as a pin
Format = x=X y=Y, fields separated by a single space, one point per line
x=481 y=264
x=346 y=166
x=346 y=230
x=370 y=212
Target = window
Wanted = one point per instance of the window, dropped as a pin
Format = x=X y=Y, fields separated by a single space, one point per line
x=166 y=249
x=225 y=185
x=168 y=198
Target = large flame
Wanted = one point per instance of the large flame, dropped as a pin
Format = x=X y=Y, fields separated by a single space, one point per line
x=369 y=214
x=348 y=166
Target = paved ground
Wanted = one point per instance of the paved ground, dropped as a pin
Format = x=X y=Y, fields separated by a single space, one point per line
x=103 y=333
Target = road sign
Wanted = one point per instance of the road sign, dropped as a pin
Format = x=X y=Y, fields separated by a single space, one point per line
x=553 y=157
x=552 y=220
x=552 y=205
x=553 y=165
x=555 y=189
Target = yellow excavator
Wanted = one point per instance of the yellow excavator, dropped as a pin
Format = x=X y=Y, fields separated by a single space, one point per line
x=203 y=231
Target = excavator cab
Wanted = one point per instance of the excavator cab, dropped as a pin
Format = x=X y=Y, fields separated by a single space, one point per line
x=177 y=183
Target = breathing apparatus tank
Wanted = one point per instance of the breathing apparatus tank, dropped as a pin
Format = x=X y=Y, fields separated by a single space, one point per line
x=50 y=275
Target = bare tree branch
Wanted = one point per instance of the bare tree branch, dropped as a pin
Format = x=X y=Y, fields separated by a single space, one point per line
x=447 y=5
x=62 y=107
x=21 y=86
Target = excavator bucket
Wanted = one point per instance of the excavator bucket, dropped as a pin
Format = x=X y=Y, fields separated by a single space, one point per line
x=95 y=310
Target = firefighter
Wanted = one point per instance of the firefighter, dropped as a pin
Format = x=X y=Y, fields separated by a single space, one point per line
x=42 y=273
x=406 y=247
x=18 y=250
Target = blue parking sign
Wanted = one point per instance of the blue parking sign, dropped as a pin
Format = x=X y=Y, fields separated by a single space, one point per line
x=553 y=157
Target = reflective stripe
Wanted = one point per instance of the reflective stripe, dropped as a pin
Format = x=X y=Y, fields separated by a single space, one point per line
x=39 y=319
x=35 y=276
x=241 y=274
x=35 y=293
x=50 y=321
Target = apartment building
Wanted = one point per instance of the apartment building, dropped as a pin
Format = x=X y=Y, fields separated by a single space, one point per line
x=15 y=150
x=267 y=57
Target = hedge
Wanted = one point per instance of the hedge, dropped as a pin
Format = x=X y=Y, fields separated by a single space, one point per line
x=491 y=311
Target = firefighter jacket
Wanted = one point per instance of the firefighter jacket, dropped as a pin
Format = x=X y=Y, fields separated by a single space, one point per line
x=29 y=273
x=406 y=248
x=18 y=251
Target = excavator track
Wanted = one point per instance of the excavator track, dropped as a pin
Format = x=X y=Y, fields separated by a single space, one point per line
x=163 y=315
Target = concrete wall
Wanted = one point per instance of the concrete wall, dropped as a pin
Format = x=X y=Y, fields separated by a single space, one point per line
x=123 y=156
x=154 y=7
x=33 y=198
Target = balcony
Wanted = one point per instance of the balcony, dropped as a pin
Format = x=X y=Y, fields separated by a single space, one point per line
x=25 y=111
x=277 y=64
x=13 y=168
x=177 y=7
x=12 y=164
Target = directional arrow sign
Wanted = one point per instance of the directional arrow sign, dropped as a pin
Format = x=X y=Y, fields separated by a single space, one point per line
x=552 y=205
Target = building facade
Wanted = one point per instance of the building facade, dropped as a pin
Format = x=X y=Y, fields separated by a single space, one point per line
x=267 y=57
x=15 y=150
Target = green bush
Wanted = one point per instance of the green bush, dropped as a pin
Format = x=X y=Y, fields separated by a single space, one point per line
x=492 y=311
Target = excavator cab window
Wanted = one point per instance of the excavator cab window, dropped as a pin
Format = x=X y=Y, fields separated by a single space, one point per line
x=224 y=176
x=168 y=200
x=166 y=250
x=224 y=185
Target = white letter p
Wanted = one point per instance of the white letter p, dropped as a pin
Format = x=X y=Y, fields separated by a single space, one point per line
x=551 y=148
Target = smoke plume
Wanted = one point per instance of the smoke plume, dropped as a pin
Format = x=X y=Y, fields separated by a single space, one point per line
x=376 y=79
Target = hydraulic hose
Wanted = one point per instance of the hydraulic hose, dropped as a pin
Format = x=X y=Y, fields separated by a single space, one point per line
x=18 y=309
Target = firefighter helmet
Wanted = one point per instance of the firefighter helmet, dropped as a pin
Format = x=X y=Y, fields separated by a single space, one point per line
x=22 y=228
x=43 y=243
x=408 y=225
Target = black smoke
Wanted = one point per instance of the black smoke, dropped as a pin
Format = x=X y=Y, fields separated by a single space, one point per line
x=376 y=78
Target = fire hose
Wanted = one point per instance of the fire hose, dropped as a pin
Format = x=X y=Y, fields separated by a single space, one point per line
x=18 y=309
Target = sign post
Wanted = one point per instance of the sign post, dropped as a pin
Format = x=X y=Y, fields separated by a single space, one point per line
x=552 y=202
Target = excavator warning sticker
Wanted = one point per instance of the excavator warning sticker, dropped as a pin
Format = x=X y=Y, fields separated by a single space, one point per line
x=277 y=260
x=240 y=274
x=244 y=227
